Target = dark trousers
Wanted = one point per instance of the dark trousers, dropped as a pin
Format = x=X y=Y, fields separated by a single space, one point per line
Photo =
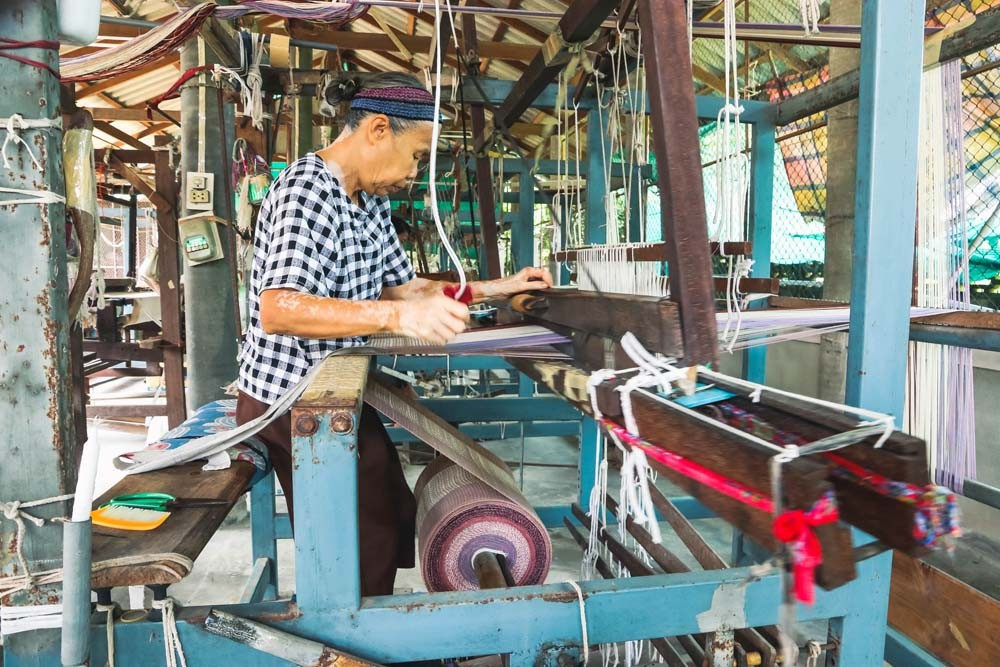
x=387 y=510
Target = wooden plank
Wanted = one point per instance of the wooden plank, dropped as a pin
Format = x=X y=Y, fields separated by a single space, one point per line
x=146 y=156
x=656 y=252
x=340 y=384
x=121 y=135
x=123 y=351
x=376 y=41
x=749 y=285
x=168 y=251
x=961 y=631
x=139 y=183
x=682 y=200
x=145 y=410
x=581 y=20
x=655 y=322
x=185 y=532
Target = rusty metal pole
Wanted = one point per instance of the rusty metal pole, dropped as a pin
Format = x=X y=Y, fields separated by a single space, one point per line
x=37 y=435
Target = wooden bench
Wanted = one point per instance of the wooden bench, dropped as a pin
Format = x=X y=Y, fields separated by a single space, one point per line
x=185 y=533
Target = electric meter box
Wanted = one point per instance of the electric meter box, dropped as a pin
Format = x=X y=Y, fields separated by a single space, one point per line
x=200 y=238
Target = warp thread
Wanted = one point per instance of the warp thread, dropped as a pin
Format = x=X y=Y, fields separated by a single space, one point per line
x=171 y=639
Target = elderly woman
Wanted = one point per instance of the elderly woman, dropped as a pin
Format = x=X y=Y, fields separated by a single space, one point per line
x=328 y=270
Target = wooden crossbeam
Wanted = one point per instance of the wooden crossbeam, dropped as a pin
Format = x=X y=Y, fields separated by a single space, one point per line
x=122 y=136
x=374 y=41
x=581 y=20
x=138 y=182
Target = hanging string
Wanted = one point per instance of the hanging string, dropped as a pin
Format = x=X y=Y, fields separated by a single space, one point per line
x=171 y=638
x=7 y=45
x=14 y=510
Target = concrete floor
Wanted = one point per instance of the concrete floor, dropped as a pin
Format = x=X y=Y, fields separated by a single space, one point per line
x=221 y=571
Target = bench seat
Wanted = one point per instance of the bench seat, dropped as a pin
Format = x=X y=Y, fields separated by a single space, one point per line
x=163 y=556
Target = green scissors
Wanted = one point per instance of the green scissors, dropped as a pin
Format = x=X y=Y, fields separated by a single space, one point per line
x=162 y=502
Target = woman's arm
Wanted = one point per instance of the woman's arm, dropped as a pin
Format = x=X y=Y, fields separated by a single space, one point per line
x=435 y=318
x=526 y=279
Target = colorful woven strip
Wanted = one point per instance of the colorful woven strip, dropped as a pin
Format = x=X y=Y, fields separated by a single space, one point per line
x=937 y=507
x=408 y=110
x=398 y=94
x=792 y=527
x=937 y=514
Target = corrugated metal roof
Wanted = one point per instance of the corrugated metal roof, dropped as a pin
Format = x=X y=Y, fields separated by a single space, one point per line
x=707 y=53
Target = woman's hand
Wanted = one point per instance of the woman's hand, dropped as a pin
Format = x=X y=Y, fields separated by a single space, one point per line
x=527 y=279
x=435 y=319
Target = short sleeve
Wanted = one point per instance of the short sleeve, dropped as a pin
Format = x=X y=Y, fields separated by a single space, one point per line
x=294 y=259
x=397 y=269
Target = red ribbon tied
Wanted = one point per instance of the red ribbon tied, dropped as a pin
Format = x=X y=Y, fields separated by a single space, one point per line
x=795 y=528
x=451 y=291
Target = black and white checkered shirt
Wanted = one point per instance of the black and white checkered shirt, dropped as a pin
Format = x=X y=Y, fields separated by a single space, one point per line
x=311 y=238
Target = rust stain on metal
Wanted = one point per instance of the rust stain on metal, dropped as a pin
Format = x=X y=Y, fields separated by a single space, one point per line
x=341 y=422
x=306 y=424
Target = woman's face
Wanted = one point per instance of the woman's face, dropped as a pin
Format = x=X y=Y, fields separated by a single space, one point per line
x=396 y=156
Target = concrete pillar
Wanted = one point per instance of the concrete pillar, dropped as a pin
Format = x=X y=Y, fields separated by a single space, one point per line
x=841 y=164
x=37 y=457
x=210 y=328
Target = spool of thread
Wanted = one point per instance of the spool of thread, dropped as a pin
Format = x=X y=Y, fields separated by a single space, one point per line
x=85 y=479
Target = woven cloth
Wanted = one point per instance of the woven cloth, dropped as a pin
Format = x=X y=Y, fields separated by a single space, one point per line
x=214 y=417
x=459 y=516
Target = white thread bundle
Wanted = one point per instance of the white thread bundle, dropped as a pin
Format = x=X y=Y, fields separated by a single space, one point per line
x=940 y=399
x=607 y=268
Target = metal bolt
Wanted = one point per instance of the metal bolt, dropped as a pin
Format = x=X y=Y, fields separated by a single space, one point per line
x=306 y=425
x=341 y=422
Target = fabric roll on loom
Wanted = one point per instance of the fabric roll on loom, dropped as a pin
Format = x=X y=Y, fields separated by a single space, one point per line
x=459 y=516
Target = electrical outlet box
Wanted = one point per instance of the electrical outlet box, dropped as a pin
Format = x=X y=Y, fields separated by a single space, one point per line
x=199 y=235
x=198 y=191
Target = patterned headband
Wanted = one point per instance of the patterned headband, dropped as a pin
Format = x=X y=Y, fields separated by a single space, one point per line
x=400 y=101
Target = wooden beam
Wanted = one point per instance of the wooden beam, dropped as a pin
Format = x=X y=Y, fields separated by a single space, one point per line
x=373 y=41
x=376 y=14
x=655 y=322
x=682 y=199
x=581 y=20
x=962 y=631
x=122 y=136
x=122 y=114
x=168 y=251
x=138 y=182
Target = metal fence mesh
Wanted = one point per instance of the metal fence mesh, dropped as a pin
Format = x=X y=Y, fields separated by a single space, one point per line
x=798 y=242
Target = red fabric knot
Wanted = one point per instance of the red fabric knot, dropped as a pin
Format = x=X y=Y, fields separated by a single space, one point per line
x=451 y=291
x=795 y=528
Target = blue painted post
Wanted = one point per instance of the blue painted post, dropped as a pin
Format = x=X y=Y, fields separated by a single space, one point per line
x=595 y=231
x=263 y=537
x=523 y=230
x=325 y=475
x=885 y=217
x=589 y=454
x=885 y=203
x=762 y=182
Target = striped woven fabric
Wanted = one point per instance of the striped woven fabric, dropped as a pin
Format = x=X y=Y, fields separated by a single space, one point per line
x=459 y=516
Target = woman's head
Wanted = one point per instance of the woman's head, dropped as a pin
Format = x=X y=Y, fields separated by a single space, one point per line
x=389 y=123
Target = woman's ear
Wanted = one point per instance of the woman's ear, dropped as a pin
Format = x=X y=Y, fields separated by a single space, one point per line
x=378 y=128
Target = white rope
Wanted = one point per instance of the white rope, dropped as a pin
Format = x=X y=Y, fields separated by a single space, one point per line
x=14 y=511
x=809 y=9
x=583 y=619
x=815 y=651
x=171 y=639
x=435 y=134
x=15 y=124
x=109 y=610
